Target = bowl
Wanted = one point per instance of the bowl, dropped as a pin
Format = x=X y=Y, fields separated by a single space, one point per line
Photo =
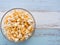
x=17 y=25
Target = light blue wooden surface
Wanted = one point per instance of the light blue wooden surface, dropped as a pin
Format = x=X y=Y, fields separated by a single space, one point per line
x=48 y=5
x=40 y=37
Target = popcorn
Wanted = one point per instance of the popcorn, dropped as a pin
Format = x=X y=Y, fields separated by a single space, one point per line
x=19 y=36
x=18 y=25
x=16 y=39
x=18 y=20
x=22 y=17
x=15 y=24
x=27 y=31
x=22 y=25
x=26 y=36
x=29 y=34
x=23 y=38
x=14 y=35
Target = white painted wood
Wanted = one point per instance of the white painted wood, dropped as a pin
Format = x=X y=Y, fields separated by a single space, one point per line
x=44 y=19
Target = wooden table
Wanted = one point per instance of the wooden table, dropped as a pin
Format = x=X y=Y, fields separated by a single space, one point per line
x=47 y=30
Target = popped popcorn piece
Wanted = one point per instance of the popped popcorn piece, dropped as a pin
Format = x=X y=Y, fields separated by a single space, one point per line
x=22 y=25
x=29 y=34
x=16 y=40
x=26 y=36
x=16 y=24
x=23 y=38
x=19 y=36
x=27 y=31
x=18 y=19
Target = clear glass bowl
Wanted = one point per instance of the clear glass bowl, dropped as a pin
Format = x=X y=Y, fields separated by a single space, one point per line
x=2 y=30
